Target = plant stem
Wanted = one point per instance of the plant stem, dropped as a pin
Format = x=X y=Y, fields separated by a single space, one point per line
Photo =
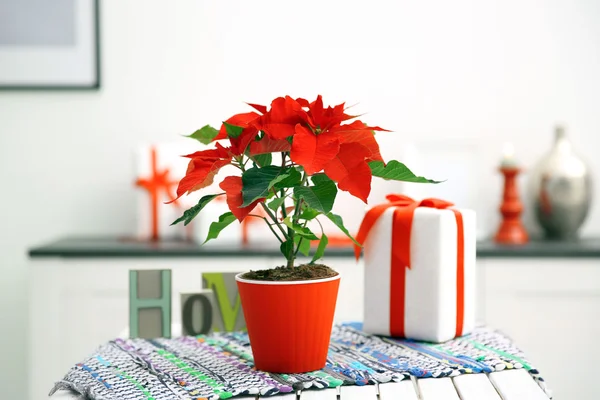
x=273 y=230
x=274 y=219
x=284 y=214
x=299 y=202
x=283 y=210
x=321 y=225
x=291 y=236
x=300 y=241
x=295 y=220
x=290 y=231
x=290 y=262
x=269 y=224
x=298 y=247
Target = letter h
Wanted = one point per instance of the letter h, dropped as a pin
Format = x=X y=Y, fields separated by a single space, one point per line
x=150 y=291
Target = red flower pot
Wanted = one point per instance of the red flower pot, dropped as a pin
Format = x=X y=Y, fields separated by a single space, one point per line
x=289 y=323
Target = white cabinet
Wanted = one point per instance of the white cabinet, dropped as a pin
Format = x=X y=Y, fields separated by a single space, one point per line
x=551 y=308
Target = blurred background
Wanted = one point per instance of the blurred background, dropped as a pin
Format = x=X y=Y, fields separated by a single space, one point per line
x=454 y=81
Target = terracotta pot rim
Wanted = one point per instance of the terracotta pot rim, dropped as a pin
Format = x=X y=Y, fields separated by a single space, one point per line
x=239 y=278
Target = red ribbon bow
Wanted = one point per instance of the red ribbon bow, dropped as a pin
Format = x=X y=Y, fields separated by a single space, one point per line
x=404 y=208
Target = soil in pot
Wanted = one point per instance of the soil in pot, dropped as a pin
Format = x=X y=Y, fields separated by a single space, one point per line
x=304 y=272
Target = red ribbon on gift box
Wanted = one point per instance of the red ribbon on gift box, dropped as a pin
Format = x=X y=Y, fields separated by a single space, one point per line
x=404 y=208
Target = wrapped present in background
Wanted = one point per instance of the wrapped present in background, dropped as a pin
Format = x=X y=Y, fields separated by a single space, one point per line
x=157 y=169
x=419 y=269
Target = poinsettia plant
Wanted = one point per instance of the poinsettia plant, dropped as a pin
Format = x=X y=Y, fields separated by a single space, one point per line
x=292 y=158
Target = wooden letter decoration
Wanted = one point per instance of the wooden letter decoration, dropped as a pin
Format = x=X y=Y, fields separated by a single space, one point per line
x=198 y=311
x=149 y=304
x=230 y=316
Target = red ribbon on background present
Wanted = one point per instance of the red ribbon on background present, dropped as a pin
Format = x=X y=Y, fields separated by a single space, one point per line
x=157 y=182
x=404 y=208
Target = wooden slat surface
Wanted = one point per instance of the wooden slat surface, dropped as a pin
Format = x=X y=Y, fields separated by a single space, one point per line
x=517 y=384
x=287 y=396
x=397 y=391
x=437 y=388
x=475 y=387
x=358 y=392
x=326 y=394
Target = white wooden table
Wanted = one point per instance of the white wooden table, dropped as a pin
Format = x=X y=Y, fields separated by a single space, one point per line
x=503 y=385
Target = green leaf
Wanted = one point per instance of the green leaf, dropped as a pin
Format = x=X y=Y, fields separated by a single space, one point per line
x=216 y=227
x=293 y=179
x=321 y=196
x=276 y=203
x=321 y=248
x=396 y=171
x=319 y=179
x=303 y=245
x=256 y=182
x=205 y=134
x=309 y=214
x=263 y=159
x=300 y=230
x=337 y=220
x=287 y=249
x=191 y=213
x=232 y=130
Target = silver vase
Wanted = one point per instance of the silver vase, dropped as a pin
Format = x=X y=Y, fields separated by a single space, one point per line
x=561 y=188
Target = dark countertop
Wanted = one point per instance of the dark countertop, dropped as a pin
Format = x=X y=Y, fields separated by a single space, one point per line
x=95 y=247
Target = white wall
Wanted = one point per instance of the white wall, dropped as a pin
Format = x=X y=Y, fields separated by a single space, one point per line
x=466 y=70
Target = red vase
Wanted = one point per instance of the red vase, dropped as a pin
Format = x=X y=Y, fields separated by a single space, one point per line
x=289 y=323
x=511 y=230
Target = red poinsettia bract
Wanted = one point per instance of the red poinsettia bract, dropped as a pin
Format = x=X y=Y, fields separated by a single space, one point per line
x=318 y=150
x=232 y=185
x=202 y=169
x=315 y=137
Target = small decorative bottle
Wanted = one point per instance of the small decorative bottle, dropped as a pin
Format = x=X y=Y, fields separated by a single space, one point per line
x=561 y=189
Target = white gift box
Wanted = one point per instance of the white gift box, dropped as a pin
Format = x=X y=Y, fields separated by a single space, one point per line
x=430 y=291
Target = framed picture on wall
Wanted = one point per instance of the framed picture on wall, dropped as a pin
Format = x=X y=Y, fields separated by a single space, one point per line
x=49 y=44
